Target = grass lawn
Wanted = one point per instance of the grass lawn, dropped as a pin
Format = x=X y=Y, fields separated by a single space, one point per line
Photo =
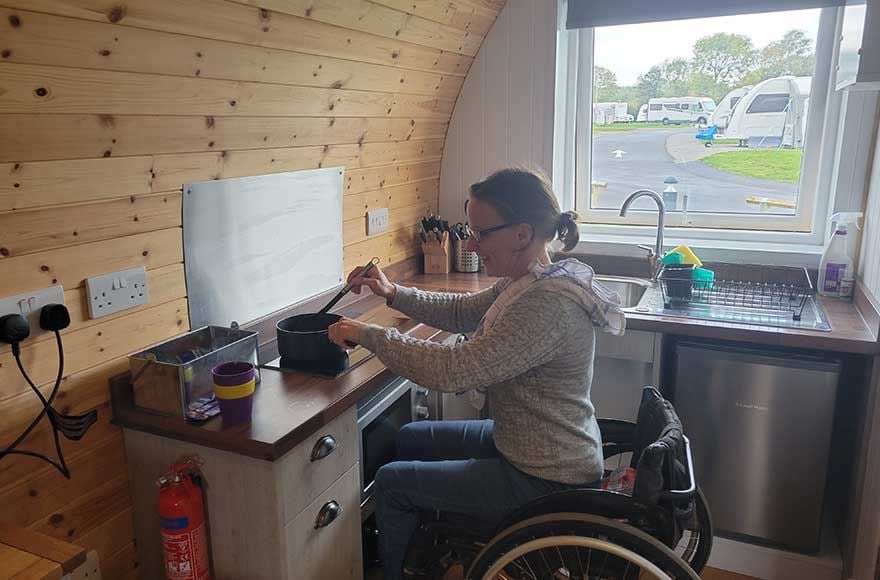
x=774 y=165
x=616 y=127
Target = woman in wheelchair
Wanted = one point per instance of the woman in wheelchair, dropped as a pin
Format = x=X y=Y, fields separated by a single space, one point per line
x=530 y=356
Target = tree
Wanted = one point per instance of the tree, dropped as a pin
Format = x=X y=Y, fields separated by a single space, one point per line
x=726 y=58
x=791 y=55
x=677 y=74
x=651 y=84
x=604 y=85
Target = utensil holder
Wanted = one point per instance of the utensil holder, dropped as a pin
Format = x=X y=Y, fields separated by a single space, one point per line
x=438 y=255
x=465 y=261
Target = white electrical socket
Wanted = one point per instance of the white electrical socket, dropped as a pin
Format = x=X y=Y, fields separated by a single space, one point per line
x=29 y=305
x=377 y=221
x=112 y=293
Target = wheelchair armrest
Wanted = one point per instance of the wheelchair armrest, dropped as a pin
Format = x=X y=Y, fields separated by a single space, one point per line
x=617 y=431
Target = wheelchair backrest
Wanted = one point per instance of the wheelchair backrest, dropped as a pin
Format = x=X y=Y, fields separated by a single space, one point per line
x=658 y=447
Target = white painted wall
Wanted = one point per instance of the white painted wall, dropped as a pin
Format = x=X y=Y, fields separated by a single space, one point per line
x=504 y=113
x=869 y=267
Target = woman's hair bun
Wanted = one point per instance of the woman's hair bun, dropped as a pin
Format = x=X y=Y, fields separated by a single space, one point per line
x=568 y=230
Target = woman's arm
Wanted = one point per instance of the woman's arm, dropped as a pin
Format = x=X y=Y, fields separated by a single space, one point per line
x=445 y=310
x=528 y=334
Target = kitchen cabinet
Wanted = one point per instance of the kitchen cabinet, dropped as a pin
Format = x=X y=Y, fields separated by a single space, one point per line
x=858 y=65
x=264 y=516
x=623 y=366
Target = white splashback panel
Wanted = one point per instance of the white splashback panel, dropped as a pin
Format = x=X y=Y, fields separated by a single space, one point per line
x=254 y=245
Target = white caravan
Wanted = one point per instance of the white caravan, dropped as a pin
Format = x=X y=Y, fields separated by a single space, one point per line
x=608 y=113
x=721 y=115
x=643 y=114
x=680 y=110
x=772 y=114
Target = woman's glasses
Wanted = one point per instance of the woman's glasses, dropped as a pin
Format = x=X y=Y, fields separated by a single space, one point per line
x=478 y=235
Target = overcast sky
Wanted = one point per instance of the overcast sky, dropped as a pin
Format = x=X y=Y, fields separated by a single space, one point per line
x=631 y=50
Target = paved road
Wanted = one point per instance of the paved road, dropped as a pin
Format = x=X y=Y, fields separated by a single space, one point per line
x=646 y=163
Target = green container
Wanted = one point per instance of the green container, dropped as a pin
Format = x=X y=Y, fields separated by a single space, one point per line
x=672 y=258
x=703 y=279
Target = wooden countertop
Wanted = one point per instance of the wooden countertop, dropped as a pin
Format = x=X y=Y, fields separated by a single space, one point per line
x=29 y=555
x=288 y=406
x=291 y=406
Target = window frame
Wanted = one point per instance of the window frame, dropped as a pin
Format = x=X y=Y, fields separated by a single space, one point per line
x=807 y=226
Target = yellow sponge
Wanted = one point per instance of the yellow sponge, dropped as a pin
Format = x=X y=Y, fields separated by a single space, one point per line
x=689 y=256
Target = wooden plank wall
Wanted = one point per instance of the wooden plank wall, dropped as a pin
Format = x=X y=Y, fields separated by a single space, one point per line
x=108 y=106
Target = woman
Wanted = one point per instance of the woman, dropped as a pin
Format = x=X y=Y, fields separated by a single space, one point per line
x=531 y=354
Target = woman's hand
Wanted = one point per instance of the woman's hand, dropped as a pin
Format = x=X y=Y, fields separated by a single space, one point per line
x=375 y=279
x=346 y=333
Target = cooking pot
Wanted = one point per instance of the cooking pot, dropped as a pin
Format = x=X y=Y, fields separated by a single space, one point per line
x=303 y=339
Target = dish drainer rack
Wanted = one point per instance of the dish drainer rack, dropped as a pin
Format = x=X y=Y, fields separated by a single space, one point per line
x=776 y=297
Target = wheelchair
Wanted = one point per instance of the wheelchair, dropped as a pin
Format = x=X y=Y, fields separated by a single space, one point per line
x=663 y=531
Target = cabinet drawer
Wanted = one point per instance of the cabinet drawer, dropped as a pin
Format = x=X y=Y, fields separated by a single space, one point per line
x=303 y=477
x=333 y=551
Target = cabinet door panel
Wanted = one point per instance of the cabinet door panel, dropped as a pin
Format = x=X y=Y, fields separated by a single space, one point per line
x=331 y=552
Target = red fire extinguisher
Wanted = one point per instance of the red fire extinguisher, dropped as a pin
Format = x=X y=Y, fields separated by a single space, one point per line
x=182 y=519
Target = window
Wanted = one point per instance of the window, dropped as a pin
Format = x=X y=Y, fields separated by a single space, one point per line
x=756 y=171
x=775 y=103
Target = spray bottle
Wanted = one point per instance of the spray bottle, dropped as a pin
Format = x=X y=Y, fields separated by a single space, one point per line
x=836 y=268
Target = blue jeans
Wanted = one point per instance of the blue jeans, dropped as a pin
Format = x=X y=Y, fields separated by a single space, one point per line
x=450 y=466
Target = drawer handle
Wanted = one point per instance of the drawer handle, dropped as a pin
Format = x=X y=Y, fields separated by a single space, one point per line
x=324 y=447
x=328 y=514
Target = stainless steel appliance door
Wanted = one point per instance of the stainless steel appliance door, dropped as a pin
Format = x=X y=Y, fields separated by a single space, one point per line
x=760 y=426
x=380 y=417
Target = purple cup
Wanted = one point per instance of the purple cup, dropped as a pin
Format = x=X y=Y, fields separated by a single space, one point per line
x=232 y=374
x=236 y=411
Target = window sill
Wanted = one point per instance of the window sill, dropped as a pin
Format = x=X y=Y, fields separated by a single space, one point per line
x=735 y=252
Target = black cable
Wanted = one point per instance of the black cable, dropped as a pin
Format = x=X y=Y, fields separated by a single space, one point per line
x=46 y=404
x=61 y=465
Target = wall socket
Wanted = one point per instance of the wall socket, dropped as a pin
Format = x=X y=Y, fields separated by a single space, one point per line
x=112 y=293
x=29 y=305
x=377 y=221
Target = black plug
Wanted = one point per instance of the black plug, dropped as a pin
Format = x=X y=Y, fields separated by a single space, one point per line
x=14 y=328
x=54 y=317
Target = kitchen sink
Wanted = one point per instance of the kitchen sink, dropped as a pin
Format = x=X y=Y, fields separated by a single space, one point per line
x=630 y=290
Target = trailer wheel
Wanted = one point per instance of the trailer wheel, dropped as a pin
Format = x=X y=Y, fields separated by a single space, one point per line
x=665 y=121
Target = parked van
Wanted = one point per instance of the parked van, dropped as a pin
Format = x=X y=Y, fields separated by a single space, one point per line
x=642 y=117
x=680 y=110
x=721 y=115
x=772 y=114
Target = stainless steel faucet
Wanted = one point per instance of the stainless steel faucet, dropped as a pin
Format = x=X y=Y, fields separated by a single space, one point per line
x=655 y=254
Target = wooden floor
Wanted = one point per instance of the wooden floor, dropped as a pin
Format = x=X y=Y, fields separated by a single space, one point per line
x=708 y=574
x=715 y=574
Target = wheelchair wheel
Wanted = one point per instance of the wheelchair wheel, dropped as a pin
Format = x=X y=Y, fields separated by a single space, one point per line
x=696 y=545
x=572 y=546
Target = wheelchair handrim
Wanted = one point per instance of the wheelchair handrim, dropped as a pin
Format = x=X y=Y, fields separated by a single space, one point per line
x=574 y=542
